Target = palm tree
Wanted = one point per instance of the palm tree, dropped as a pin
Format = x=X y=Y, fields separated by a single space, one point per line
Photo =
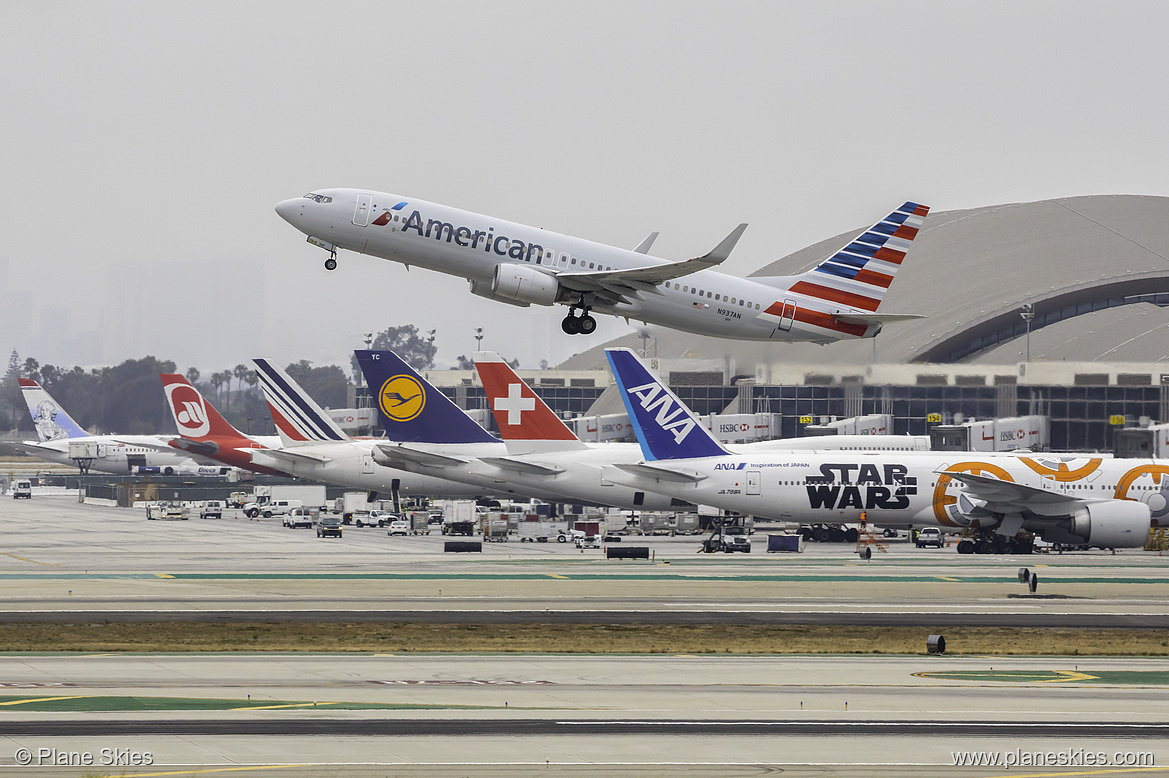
x=240 y=372
x=193 y=375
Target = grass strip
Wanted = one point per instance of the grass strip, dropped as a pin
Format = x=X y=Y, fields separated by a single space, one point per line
x=404 y=637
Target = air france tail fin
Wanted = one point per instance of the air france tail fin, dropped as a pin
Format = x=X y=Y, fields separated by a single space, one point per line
x=50 y=419
x=410 y=409
x=858 y=275
x=298 y=418
x=519 y=412
x=195 y=418
x=666 y=429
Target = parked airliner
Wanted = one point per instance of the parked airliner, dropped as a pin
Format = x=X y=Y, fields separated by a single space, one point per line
x=523 y=265
x=1064 y=498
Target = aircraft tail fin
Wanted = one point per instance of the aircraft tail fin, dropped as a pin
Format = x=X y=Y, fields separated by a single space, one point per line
x=519 y=411
x=195 y=418
x=297 y=416
x=410 y=408
x=858 y=275
x=50 y=419
x=665 y=427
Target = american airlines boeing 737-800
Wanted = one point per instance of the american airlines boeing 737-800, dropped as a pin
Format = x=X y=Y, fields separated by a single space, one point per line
x=521 y=265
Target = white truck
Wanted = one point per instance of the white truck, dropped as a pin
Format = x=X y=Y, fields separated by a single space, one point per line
x=459 y=517
x=22 y=489
x=351 y=504
x=276 y=499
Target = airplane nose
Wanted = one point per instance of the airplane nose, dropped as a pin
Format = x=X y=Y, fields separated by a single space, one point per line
x=289 y=209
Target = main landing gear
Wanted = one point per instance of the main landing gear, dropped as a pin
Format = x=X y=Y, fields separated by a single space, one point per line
x=331 y=262
x=578 y=325
x=990 y=542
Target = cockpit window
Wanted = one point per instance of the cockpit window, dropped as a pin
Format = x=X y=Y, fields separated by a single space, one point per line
x=316 y=198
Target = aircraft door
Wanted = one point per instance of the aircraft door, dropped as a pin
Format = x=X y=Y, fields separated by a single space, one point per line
x=753 y=482
x=366 y=464
x=361 y=214
x=787 y=315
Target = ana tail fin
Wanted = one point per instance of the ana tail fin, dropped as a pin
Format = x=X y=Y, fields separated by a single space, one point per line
x=50 y=419
x=666 y=429
x=410 y=409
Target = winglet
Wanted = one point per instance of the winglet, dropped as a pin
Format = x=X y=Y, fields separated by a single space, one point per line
x=643 y=247
x=719 y=254
x=665 y=427
x=410 y=409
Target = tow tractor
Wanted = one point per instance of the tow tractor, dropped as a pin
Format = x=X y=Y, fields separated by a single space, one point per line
x=727 y=534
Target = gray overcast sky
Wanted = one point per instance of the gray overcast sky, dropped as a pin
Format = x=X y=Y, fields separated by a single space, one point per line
x=145 y=143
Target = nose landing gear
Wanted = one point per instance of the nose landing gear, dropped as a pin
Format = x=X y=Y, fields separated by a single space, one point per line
x=331 y=262
x=578 y=325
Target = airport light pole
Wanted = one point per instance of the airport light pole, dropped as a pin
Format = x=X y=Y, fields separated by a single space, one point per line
x=1028 y=315
x=478 y=338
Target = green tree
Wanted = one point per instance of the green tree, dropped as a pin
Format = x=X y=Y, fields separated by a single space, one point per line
x=416 y=350
x=10 y=389
x=327 y=385
x=193 y=375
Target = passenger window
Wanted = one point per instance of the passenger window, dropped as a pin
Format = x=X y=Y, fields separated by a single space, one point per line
x=574 y=260
x=710 y=294
x=675 y=287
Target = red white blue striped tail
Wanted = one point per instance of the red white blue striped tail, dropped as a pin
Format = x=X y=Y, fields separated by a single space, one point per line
x=859 y=274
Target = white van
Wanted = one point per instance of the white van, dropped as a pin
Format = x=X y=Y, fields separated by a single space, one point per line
x=280 y=508
x=22 y=488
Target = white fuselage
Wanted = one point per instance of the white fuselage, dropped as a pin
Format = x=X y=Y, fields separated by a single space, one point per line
x=350 y=464
x=114 y=453
x=471 y=245
x=906 y=490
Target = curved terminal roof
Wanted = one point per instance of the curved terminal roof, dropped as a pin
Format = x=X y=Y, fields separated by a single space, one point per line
x=1083 y=262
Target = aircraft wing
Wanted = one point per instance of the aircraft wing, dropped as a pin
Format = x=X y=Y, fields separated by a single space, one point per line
x=522 y=466
x=658 y=473
x=405 y=455
x=1000 y=493
x=645 y=279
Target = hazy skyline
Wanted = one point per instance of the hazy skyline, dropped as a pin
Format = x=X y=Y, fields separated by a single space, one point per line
x=146 y=144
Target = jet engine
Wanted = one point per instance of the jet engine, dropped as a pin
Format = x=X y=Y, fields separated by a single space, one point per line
x=1113 y=524
x=523 y=284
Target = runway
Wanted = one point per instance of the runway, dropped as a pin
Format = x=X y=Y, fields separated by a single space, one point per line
x=409 y=714
x=421 y=714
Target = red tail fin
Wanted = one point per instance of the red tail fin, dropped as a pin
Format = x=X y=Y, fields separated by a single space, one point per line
x=520 y=414
x=193 y=415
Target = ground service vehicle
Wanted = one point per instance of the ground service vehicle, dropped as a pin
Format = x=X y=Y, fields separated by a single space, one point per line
x=329 y=527
x=212 y=509
x=299 y=518
x=167 y=511
x=374 y=518
x=22 y=488
x=930 y=536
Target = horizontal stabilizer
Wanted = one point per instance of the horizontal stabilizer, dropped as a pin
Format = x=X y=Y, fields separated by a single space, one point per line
x=521 y=466
x=283 y=454
x=658 y=473
x=206 y=448
x=405 y=455
x=876 y=318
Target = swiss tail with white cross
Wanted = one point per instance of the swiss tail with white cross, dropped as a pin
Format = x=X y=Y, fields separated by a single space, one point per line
x=525 y=422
